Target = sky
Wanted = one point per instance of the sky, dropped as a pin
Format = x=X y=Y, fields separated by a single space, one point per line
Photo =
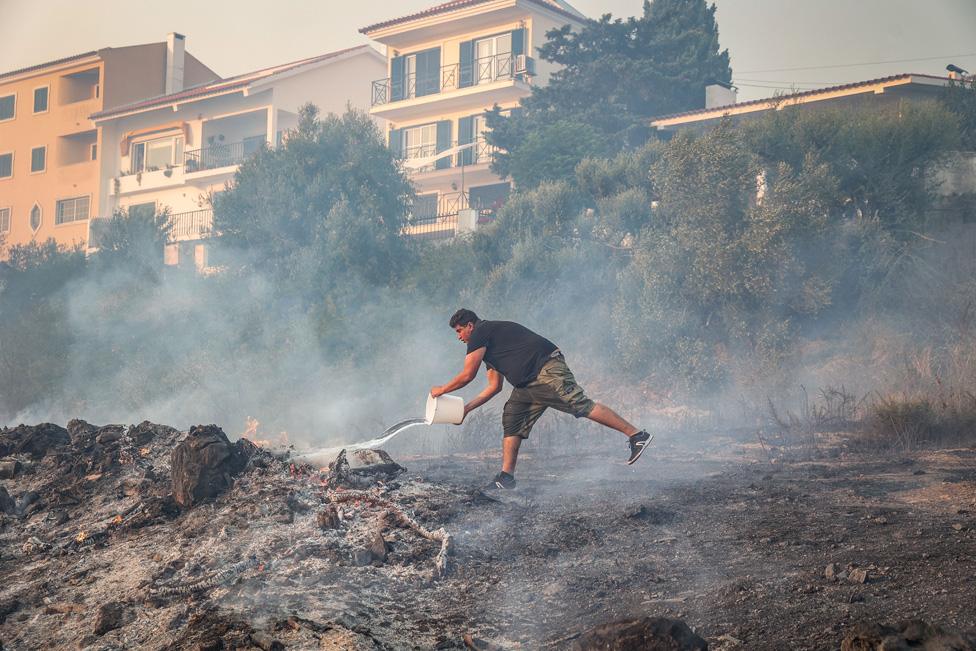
x=775 y=45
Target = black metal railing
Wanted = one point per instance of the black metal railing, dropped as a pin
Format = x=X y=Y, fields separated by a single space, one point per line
x=192 y=225
x=429 y=220
x=479 y=152
x=221 y=155
x=451 y=77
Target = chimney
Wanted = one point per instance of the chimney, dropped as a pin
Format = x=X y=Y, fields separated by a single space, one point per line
x=719 y=94
x=175 y=46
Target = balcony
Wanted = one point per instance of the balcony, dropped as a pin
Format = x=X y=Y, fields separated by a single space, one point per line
x=441 y=219
x=494 y=79
x=424 y=159
x=193 y=225
x=216 y=157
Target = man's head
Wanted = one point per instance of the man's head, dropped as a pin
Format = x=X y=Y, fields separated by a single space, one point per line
x=463 y=322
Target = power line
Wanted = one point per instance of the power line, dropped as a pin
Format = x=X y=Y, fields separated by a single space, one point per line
x=854 y=65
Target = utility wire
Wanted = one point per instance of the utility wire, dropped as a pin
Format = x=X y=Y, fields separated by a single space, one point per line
x=854 y=65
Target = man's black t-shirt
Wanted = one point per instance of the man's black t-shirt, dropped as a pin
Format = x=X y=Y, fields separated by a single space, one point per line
x=512 y=349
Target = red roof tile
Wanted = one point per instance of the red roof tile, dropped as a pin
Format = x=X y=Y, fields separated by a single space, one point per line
x=806 y=93
x=457 y=4
x=222 y=85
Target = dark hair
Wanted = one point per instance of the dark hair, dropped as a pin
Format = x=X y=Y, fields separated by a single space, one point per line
x=463 y=317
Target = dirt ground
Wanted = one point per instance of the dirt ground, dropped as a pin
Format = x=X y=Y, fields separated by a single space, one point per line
x=750 y=553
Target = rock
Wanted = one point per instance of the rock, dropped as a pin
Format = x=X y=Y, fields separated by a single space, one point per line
x=108 y=618
x=913 y=634
x=372 y=462
x=265 y=642
x=371 y=551
x=82 y=434
x=957 y=527
x=146 y=432
x=203 y=464
x=28 y=499
x=377 y=547
x=645 y=634
x=328 y=518
x=109 y=434
x=858 y=576
x=7 y=504
x=35 y=440
x=830 y=572
x=9 y=469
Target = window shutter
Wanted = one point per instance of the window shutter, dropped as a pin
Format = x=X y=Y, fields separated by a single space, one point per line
x=443 y=143
x=518 y=48
x=466 y=59
x=428 y=72
x=398 y=70
x=396 y=142
x=465 y=135
x=518 y=42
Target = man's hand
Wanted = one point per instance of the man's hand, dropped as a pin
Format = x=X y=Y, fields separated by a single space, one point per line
x=437 y=391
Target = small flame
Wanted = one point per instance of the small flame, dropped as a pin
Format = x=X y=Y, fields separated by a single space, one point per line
x=117 y=520
x=144 y=452
x=81 y=536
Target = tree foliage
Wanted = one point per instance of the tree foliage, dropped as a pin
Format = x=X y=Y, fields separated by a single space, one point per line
x=331 y=199
x=614 y=75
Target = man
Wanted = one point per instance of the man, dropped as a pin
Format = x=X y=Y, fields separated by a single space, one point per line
x=536 y=368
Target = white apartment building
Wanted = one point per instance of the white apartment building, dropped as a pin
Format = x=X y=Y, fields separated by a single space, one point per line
x=446 y=66
x=176 y=150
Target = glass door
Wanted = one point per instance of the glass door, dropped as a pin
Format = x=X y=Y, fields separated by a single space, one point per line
x=493 y=58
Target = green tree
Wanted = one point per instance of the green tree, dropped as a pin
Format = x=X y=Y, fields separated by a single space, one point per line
x=960 y=98
x=133 y=241
x=614 y=75
x=332 y=195
x=34 y=343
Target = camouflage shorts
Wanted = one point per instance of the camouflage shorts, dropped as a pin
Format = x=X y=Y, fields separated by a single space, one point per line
x=554 y=387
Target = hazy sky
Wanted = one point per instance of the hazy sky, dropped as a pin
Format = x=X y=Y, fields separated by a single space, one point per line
x=768 y=39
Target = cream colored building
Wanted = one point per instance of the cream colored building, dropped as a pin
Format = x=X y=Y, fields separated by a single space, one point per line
x=446 y=66
x=175 y=151
x=50 y=148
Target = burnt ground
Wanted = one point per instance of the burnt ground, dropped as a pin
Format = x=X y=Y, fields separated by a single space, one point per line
x=703 y=528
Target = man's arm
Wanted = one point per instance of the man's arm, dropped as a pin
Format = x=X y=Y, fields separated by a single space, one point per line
x=470 y=371
x=494 y=386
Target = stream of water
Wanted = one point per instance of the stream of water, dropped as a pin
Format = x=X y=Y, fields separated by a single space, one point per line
x=325 y=456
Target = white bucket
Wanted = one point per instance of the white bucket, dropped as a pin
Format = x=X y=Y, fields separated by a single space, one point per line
x=445 y=409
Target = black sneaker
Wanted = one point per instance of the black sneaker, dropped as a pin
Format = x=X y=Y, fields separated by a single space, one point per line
x=638 y=442
x=502 y=480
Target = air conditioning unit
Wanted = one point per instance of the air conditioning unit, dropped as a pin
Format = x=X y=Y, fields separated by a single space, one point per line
x=524 y=65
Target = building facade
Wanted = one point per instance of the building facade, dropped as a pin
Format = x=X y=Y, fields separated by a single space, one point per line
x=174 y=152
x=50 y=148
x=445 y=67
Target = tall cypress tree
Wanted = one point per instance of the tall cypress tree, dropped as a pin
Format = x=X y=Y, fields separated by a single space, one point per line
x=615 y=75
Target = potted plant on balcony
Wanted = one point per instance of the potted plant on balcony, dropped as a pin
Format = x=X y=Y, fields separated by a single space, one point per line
x=168 y=172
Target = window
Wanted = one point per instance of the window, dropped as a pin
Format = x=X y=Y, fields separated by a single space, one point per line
x=35 y=218
x=493 y=58
x=420 y=142
x=4 y=220
x=156 y=154
x=38 y=159
x=94 y=151
x=415 y=75
x=145 y=210
x=424 y=209
x=8 y=107
x=40 y=99
x=6 y=165
x=70 y=210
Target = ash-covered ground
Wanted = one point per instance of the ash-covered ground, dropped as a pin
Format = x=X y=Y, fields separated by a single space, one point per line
x=125 y=537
